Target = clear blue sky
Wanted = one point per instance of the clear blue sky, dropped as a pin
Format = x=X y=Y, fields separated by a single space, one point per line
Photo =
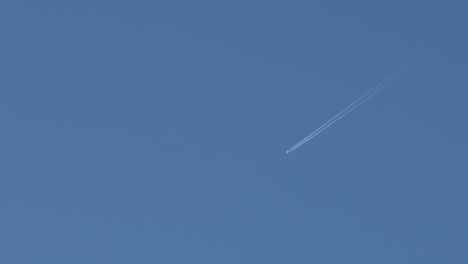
x=156 y=131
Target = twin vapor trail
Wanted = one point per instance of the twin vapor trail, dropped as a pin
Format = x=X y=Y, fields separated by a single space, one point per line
x=369 y=94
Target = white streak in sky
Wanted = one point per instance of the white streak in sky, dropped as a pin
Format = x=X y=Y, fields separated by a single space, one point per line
x=369 y=94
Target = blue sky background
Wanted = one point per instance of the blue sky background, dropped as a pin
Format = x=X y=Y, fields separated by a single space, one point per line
x=156 y=131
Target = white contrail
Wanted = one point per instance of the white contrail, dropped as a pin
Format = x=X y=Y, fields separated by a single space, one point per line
x=369 y=94
x=342 y=112
x=360 y=100
x=334 y=119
